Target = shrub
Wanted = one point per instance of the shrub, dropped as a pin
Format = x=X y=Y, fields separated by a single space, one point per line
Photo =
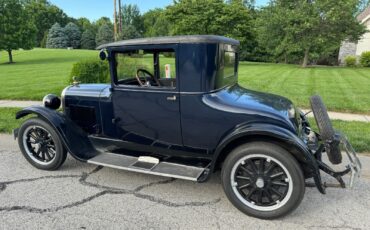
x=365 y=59
x=90 y=71
x=350 y=61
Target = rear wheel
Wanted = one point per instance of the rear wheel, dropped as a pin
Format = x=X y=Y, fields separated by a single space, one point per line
x=263 y=180
x=41 y=145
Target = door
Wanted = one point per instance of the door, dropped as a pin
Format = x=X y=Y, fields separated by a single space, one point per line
x=146 y=100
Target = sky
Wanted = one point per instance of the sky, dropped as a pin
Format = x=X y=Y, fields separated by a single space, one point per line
x=94 y=9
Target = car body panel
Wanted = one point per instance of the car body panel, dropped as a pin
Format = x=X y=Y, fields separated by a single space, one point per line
x=74 y=138
x=194 y=128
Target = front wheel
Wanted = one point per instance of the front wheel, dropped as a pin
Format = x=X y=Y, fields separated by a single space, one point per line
x=263 y=180
x=41 y=145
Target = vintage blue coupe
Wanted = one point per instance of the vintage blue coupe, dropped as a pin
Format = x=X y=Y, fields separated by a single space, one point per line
x=174 y=108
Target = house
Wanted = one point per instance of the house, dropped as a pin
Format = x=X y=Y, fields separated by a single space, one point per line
x=356 y=49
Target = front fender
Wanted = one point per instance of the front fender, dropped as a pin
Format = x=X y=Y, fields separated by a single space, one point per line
x=255 y=130
x=74 y=138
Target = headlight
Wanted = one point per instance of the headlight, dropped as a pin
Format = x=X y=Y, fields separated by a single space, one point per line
x=51 y=101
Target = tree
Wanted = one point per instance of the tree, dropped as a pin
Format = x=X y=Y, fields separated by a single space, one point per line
x=85 y=24
x=74 y=35
x=88 y=40
x=44 y=39
x=57 y=37
x=129 y=32
x=103 y=21
x=131 y=17
x=216 y=17
x=104 y=35
x=44 y=15
x=17 y=31
x=303 y=28
x=156 y=23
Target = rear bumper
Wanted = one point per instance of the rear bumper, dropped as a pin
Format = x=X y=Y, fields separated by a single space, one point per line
x=352 y=163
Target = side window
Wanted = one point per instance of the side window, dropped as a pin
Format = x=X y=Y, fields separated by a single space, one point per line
x=127 y=65
x=227 y=73
x=167 y=69
x=146 y=68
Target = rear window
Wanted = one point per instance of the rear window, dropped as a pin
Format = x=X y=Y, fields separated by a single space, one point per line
x=227 y=74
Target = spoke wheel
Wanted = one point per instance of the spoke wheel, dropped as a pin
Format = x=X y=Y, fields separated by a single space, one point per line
x=39 y=145
x=261 y=182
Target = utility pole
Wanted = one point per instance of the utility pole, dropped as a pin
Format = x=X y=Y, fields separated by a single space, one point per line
x=120 y=17
x=115 y=20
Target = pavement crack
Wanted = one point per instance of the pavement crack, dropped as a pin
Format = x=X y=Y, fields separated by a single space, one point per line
x=334 y=227
x=141 y=187
x=38 y=178
x=173 y=204
x=2 y=187
x=106 y=190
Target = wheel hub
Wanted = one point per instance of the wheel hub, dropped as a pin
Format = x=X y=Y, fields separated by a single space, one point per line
x=260 y=183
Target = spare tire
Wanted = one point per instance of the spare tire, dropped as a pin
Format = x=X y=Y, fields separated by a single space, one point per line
x=326 y=129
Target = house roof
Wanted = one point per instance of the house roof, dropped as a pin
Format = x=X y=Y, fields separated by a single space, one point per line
x=364 y=14
x=172 y=40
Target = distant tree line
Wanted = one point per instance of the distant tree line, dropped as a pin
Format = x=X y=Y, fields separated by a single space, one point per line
x=288 y=31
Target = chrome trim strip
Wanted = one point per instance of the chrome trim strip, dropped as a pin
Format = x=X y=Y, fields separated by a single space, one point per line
x=63 y=96
x=83 y=93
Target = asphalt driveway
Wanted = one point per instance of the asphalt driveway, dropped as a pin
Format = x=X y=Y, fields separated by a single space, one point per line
x=82 y=196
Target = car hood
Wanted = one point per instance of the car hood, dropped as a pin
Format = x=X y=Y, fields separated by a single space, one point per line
x=86 y=90
x=237 y=99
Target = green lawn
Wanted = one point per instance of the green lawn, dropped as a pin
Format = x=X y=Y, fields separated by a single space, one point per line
x=342 y=89
x=357 y=132
x=41 y=71
x=38 y=72
x=7 y=120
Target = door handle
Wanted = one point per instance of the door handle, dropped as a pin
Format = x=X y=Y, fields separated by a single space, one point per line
x=173 y=98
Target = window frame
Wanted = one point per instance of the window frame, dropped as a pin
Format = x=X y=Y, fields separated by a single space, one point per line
x=154 y=48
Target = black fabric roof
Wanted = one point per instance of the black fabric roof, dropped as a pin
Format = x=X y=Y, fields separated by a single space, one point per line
x=172 y=40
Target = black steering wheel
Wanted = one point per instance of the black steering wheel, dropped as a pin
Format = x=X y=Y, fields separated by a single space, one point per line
x=146 y=82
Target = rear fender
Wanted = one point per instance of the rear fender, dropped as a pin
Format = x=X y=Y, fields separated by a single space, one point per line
x=254 y=131
x=74 y=138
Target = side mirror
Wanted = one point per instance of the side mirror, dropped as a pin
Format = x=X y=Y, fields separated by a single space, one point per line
x=103 y=55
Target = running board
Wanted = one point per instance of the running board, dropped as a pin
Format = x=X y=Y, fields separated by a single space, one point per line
x=147 y=165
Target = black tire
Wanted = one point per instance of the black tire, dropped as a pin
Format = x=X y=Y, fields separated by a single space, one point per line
x=28 y=150
x=296 y=185
x=325 y=128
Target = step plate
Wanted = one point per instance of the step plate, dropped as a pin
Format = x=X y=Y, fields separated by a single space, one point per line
x=166 y=169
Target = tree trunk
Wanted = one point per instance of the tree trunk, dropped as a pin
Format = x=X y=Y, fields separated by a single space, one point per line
x=305 y=59
x=10 y=56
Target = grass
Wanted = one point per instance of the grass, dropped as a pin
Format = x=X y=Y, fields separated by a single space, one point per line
x=357 y=132
x=41 y=71
x=342 y=89
x=8 y=121
x=38 y=72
